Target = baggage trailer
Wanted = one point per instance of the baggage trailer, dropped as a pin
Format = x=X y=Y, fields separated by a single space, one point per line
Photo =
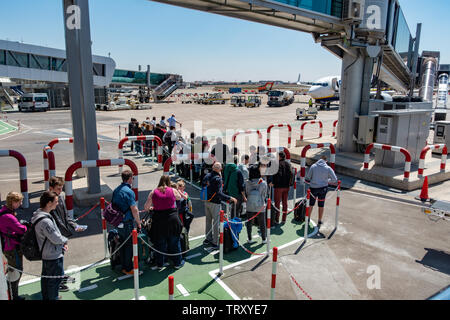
x=437 y=210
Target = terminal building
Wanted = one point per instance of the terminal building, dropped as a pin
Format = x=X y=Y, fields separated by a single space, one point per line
x=26 y=68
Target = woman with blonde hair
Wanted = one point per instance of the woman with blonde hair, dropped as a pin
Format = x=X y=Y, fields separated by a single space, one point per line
x=166 y=225
x=11 y=231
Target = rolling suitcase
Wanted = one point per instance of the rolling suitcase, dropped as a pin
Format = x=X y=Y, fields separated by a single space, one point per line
x=300 y=212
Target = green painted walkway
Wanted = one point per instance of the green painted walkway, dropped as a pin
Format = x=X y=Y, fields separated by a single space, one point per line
x=194 y=276
x=6 y=128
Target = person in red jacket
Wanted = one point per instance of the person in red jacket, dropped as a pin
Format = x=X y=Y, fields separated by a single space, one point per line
x=11 y=230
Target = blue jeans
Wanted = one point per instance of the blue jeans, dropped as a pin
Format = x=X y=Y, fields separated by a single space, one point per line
x=49 y=286
x=170 y=244
x=126 y=252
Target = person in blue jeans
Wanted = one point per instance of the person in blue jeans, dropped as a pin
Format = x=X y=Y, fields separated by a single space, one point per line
x=125 y=200
x=52 y=245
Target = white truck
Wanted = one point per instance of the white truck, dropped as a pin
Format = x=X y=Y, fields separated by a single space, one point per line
x=280 y=98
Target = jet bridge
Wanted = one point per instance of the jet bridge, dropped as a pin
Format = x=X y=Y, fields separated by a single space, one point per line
x=371 y=37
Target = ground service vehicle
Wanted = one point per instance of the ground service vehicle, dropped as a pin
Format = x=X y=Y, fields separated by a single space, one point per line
x=34 y=102
x=265 y=88
x=238 y=101
x=253 y=101
x=305 y=113
x=280 y=98
x=119 y=103
x=214 y=98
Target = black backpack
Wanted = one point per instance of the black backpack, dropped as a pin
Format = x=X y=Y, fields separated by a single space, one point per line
x=227 y=240
x=300 y=212
x=29 y=244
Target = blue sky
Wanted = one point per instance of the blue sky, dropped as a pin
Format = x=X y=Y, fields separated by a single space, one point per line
x=202 y=46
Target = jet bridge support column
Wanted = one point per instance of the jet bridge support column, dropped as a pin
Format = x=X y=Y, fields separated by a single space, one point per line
x=81 y=86
x=357 y=71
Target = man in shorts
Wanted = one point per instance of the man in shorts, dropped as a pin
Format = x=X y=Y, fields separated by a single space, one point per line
x=319 y=176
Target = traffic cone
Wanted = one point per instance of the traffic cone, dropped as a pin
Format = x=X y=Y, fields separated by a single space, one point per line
x=424 y=194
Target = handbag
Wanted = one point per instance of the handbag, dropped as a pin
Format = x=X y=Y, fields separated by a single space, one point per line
x=113 y=215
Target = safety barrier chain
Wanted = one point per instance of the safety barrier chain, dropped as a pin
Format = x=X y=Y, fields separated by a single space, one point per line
x=237 y=239
x=81 y=270
x=300 y=287
x=245 y=221
x=175 y=254
x=84 y=215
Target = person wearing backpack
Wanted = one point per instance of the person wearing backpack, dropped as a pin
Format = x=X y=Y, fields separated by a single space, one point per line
x=11 y=230
x=234 y=186
x=52 y=244
x=65 y=223
x=256 y=190
x=281 y=182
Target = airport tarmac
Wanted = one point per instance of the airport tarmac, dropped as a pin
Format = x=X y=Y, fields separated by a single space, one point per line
x=378 y=228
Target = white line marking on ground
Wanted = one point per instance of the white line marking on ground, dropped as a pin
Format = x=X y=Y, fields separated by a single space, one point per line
x=214 y=273
x=195 y=238
x=66 y=272
x=193 y=256
x=182 y=290
x=140 y=298
x=94 y=286
x=381 y=198
x=14 y=135
x=223 y=285
x=126 y=276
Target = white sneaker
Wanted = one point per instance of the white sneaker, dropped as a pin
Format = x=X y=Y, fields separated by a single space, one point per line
x=264 y=241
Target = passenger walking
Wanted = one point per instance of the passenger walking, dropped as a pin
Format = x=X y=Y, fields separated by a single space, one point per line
x=166 y=224
x=147 y=144
x=11 y=231
x=173 y=122
x=234 y=186
x=185 y=206
x=170 y=138
x=153 y=122
x=281 y=182
x=124 y=199
x=256 y=190
x=215 y=195
x=52 y=244
x=319 y=176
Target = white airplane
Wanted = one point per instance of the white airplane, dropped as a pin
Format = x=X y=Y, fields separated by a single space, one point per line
x=327 y=89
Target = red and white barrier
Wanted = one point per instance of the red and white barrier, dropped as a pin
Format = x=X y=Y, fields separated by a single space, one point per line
x=135 y=265
x=96 y=164
x=23 y=173
x=105 y=233
x=70 y=140
x=338 y=199
x=141 y=138
x=247 y=132
x=441 y=147
x=315 y=146
x=308 y=197
x=281 y=125
x=335 y=123
x=171 y=287
x=302 y=128
x=274 y=273
x=221 y=242
x=49 y=165
x=389 y=148
x=269 y=208
x=279 y=149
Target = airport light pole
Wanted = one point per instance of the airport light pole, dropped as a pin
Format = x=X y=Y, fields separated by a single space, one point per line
x=81 y=86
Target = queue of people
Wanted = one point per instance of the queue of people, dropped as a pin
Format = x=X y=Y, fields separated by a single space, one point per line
x=149 y=127
x=244 y=185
